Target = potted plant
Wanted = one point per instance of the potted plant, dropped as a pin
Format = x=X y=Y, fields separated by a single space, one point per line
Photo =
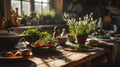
x=81 y=28
x=32 y=34
x=45 y=40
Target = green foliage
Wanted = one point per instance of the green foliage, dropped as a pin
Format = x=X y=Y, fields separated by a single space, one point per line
x=103 y=37
x=58 y=18
x=43 y=36
x=79 y=47
x=52 y=16
x=33 y=32
x=82 y=26
x=46 y=37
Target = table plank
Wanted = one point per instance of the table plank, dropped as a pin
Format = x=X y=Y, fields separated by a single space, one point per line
x=68 y=58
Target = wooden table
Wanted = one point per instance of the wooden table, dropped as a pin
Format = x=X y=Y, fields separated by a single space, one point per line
x=57 y=58
x=64 y=58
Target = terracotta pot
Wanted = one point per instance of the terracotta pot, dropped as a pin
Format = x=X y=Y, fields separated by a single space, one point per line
x=81 y=39
x=50 y=44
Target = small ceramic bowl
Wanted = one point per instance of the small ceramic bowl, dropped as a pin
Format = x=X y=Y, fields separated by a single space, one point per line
x=61 y=40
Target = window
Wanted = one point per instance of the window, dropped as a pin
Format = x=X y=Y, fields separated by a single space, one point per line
x=26 y=7
x=37 y=5
x=16 y=4
x=42 y=5
x=22 y=5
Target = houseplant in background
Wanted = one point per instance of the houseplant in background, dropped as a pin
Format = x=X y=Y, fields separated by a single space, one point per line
x=81 y=27
x=50 y=17
x=45 y=17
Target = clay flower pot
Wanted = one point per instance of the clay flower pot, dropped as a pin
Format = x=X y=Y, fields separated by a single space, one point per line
x=81 y=39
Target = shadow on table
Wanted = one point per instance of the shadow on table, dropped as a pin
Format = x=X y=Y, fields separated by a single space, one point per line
x=49 y=55
x=17 y=63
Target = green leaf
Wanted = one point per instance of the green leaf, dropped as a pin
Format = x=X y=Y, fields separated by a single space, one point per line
x=82 y=26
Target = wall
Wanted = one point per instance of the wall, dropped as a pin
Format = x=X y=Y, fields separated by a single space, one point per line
x=2 y=7
x=7 y=7
x=79 y=8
